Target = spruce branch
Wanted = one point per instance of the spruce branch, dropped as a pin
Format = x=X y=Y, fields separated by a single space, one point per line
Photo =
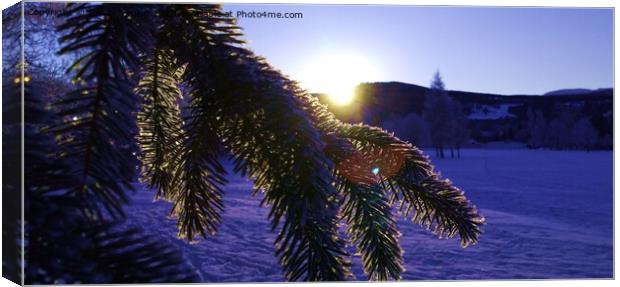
x=98 y=112
x=160 y=122
x=311 y=168
x=198 y=173
x=278 y=146
x=430 y=201
x=370 y=223
x=254 y=115
x=405 y=172
x=372 y=227
x=64 y=246
x=73 y=249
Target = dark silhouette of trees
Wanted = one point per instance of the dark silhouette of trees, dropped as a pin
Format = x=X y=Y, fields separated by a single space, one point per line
x=537 y=128
x=583 y=134
x=447 y=122
x=567 y=129
x=460 y=131
x=437 y=113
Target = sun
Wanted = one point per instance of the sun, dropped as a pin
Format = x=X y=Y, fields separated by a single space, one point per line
x=337 y=75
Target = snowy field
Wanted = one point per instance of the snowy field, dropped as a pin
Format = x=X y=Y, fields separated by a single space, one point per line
x=549 y=215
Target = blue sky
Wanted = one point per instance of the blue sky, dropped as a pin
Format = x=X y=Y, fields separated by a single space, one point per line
x=483 y=49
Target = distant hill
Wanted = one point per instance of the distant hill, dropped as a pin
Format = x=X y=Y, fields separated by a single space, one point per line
x=492 y=117
x=564 y=92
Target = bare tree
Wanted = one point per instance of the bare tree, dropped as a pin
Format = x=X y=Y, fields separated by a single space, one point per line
x=438 y=112
x=558 y=133
x=537 y=127
x=460 y=131
x=583 y=135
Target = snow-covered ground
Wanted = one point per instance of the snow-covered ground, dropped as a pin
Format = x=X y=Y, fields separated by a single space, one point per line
x=488 y=112
x=549 y=215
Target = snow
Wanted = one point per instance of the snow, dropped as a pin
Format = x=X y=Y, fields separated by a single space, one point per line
x=487 y=112
x=549 y=215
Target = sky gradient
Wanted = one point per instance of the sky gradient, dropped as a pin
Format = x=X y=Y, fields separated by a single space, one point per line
x=480 y=49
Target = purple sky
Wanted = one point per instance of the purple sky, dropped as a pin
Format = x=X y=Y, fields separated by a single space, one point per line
x=495 y=50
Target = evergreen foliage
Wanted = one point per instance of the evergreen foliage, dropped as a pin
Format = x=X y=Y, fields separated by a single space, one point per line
x=204 y=95
x=98 y=113
x=159 y=121
x=64 y=245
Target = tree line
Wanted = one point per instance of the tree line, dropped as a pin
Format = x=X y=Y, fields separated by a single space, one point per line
x=566 y=128
x=444 y=125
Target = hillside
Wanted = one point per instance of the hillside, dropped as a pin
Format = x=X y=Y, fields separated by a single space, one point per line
x=492 y=117
x=568 y=92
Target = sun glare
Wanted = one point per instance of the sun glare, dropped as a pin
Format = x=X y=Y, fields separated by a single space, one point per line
x=337 y=75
